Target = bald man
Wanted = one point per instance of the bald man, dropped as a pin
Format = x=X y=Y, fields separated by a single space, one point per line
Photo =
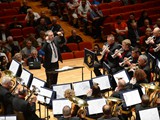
x=107 y=113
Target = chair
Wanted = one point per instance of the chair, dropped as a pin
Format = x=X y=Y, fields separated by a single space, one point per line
x=1 y=13
x=9 y=12
x=4 y=6
x=67 y=55
x=106 y=12
x=104 y=6
x=28 y=30
x=78 y=54
x=128 y=8
x=115 y=4
x=16 y=32
x=72 y=46
x=6 y=19
x=19 y=115
x=83 y=45
x=116 y=10
x=20 y=17
x=15 y=4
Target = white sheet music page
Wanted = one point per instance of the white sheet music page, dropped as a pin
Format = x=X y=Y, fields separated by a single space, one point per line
x=11 y=118
x=44 y=94
x=60 y=89
x=149 y=114
x=25 y=77
x=158 y=62
x=58 y=106
x=14 y=67
x=103 y=82
x=121 y=75
x=2 y=117
x=132 y=98
x=38 y=83
x=95 y=106
x=81 y=88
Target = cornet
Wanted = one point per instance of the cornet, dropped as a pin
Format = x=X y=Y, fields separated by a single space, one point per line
x=116 y=52
x=150 y=39
x=132 y=68
x=122 y=64
x=157 y=48
x=104 y=50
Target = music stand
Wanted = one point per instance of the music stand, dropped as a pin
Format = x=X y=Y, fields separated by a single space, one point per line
x=37 y=83
x=60 y=89
x=131 y=98
x=106 y=68
x=149 y=114
x=26 y=77
x=89 y=58
x=45 y=97
x=81 y=88
x=16 y=68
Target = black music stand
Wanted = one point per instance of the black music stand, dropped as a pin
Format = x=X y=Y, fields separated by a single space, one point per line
x=89 y=58
x=106 y=68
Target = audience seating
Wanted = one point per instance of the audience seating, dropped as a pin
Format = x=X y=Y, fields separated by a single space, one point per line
x=67 y=55
x=4 y=6
x=9 y=12
x=28 y=30
x=15 y=4
x=16 y=32
x=20 y=17
x=116 y=10
x=115 y=4
x=78 y=54
x=72 y=46
x=83 y=45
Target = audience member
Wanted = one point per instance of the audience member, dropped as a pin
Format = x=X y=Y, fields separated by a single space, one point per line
x=144 y=15
x=157 y=23
x=131 y=19
x=107 y=113
x=97 y=50
x=3 y=63
x=23 y=9
x=134 y=33
x=74 y=38
x=15 y=24
x=43 y=15
x=121 y=29
x=42 y=26
x=41 y=40
x=18 y=58
x=145 y=26
x=4 y=33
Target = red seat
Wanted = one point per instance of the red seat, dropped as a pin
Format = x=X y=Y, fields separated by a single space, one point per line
x=106 y=12
x=16 y=32
x=20 y=17
x=128 y=8
x=8 y=12
x=104 y=6
x=138 y=13
x=78 y=54
x=107 y=20
x=141 y=40
x=83 y=45
x=125 y=16
x=67 y=55
x=72 y=46
x=28 y=30
x=4 y=6
x=15 y=4
x=116 y=10
x=1 y=13
x=6 y=19
x=115 y=4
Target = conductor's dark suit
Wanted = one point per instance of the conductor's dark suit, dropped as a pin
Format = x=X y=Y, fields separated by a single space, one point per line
x=6 y=100
x=20 y=105
x=48 y=65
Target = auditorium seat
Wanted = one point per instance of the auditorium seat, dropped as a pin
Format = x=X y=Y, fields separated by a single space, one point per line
x=20 y=17
x=6 y=19
x=83 y=45
x=9 y=12
x=16 y=32
x=104 y=6
x=72 y=46
x=28 y=30
x=106 y=12
x=115 y=10
x=15 y=4
x=67 y=55
x=128 y=8
x=78 y=54
x=4 y=6
x=1 y=13
x=115 y=4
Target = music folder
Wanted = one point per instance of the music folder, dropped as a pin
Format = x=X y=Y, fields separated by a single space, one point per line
x=46 y=95
x=89 y=58
x=103 y=82
x=81 y=88
x=149 y=114
x=121 y=75
x=158 y=63
x=16 y=68
x=35 y=65
x=60 y=89
x=131 y=98
x=57 y=105
x=37 y=83
x=26 y=77
x=95 y=106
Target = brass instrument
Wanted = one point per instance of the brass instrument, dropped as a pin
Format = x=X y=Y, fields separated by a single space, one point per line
x=104 y=50
x=78 y=101
x=34 y=91
x=150 y=39
x=116 y=52
x=122 y=64
x=157 y=48
x=132 y=68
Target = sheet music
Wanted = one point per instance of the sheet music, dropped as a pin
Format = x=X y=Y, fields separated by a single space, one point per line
x=103 y=82
x=158 y=63
x=64 y=68
x=2 y=118
x=121 y=75
x=11 y=118
x=58 y=106
x=95 y=106
x=44 y=93
x=14 y=67
x=60 y=89
x=38 y=83
x=81 y=88
x=143 y=90
x=132 y=98
x=149 y=114
x=25 y=75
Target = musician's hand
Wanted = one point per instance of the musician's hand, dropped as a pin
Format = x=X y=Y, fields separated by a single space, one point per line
x=152 y=41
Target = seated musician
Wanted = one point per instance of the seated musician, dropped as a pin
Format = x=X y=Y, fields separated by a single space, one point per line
x=142 y=106
x=108 y=50
x=6 y=96
x=28 y=108
x=107 y=114
x=67 y=114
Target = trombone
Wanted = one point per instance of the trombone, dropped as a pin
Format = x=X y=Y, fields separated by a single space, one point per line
x=116 y=52
x=122 y=64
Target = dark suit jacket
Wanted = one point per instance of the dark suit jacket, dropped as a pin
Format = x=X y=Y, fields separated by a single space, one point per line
x=147 y=71
x=78 y=39
x=31 y=59
x=6 y=100
x=48 y=54
x=72 y=118
x=108 y=118
x=24 y=106
x=132 y=35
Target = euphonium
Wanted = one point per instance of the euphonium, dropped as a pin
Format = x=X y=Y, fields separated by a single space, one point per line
x=157 y=48
x=78 y=101
x=122 y=64
x=150 y=39
x=116 y=52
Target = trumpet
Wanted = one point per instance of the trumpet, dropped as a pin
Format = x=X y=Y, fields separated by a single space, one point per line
x=116 y=52
x=122 y=64
x=132 y=68
x=150 y=39
x=104 y=50
x=157 y=48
